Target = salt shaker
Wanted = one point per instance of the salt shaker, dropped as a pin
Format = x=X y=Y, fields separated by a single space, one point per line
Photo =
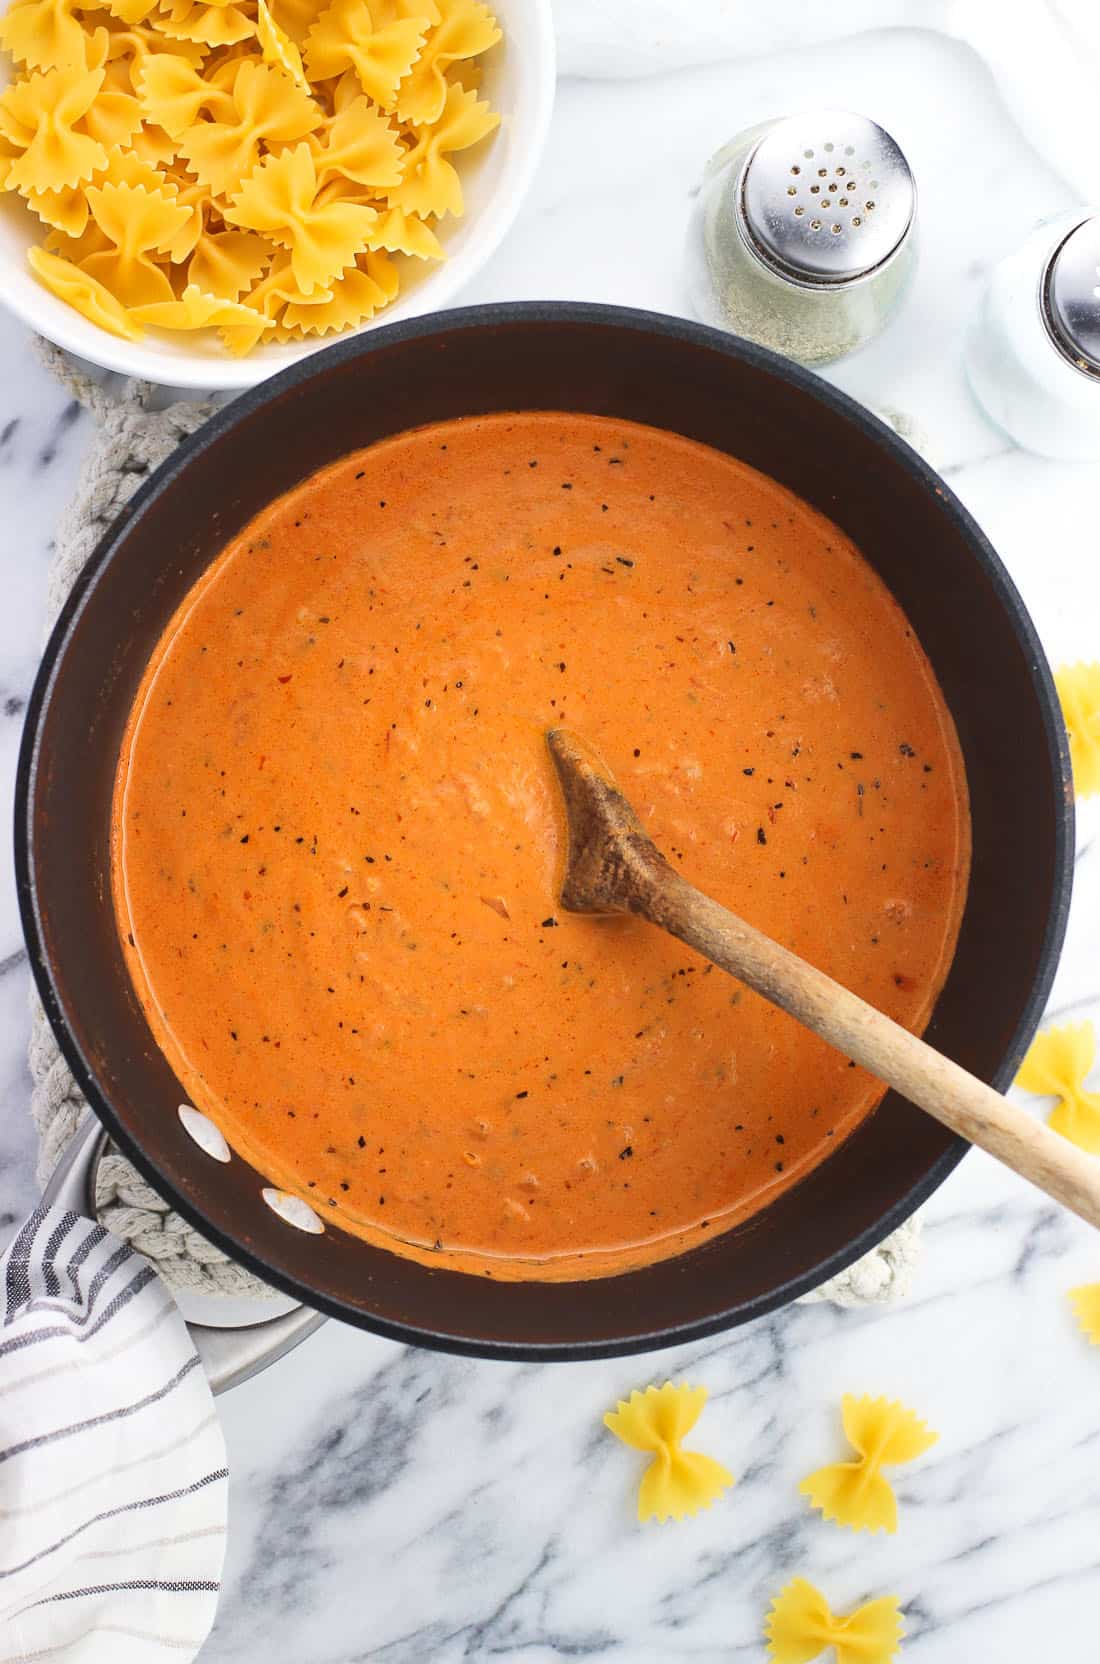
x=1033 y=352
x=803 y=235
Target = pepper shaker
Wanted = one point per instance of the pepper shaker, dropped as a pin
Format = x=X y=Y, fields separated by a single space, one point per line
x=803 y=235
x=1033 y=352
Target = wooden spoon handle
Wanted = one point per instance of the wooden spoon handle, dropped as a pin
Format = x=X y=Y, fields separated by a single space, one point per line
x=954 y=1096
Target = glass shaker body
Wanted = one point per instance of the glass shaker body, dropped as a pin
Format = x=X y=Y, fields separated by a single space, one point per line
x=812 y=316
x=1024 y=383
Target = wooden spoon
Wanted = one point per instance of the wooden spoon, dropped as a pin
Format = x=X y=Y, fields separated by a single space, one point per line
x=614 y=867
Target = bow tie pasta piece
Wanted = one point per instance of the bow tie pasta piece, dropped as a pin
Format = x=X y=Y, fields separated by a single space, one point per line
x=192 y=194
x=198 y=202
x=137 y=223
x=468 y=29
x=98 y=55
x=154 y=145
x=173 y=94
x=75 y=250
x=801 y=1625
x=856 y=1494
x=356 y=296
x=277 y=48
x=130 y=11
x=212 y=25
x=280 y=200
x=359 y=144
x=117 y=75
x=467 y=76
x=345 y=91
x=126 y=167
x=1086 y=1305
x=137 y=44
x=38 y=116
x=1079 y=690
x=114 y=116
x=84 y=293
x=136 y=219
x=267 y=106
x=14 y=134
x=400 y=233
x=227 y=263
x=194 y=310
x=677 y=1483
x=122 y=13
x=381 y=271
x=243 y=339
x=345 y=36
x=394 y=231
x=43 y=34
x=429 y=183
x=68 y=211
x=1057 y=1065
x=64 y=210
x=390 y=11
x=297 y=17
x=225 y=65
x=266 y=303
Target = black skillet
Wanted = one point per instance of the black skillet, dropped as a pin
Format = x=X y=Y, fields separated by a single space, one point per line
x=647 y=368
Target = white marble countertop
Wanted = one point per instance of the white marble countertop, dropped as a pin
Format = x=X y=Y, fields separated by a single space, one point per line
x=399 y=1506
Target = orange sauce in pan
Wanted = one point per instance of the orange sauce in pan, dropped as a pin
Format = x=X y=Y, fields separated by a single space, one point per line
x=338 y=839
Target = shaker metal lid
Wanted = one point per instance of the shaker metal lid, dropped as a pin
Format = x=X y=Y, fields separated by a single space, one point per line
x=1070 y=296
x=826 y=197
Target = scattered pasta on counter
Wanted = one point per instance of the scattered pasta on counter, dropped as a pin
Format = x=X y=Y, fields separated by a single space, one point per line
x=677 y=1483
x=1057 y=1064
x=801 y=1625
x=1085 y=1301
x=856 y=1494
x=252 y=168
x=1079 y=691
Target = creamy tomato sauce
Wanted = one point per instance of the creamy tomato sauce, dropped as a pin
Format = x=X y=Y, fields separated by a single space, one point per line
x=338 y=839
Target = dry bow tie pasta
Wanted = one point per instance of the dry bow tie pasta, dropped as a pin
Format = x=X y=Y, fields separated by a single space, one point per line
x=677 y=1482
x=250 y=167
x=1057 y=1065
x=857 y=1494
x=1085 y=1301
x=801 y=1625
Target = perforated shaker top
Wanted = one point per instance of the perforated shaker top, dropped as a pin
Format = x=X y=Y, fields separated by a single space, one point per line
x=826 y=197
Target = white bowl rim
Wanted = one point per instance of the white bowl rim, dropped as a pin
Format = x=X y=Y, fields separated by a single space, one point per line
x=144 y=361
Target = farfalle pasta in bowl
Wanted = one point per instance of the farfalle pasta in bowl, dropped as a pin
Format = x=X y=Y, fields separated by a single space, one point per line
x=201 y=193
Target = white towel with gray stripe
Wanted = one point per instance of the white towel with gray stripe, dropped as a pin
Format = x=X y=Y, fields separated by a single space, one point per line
x=113 y=1482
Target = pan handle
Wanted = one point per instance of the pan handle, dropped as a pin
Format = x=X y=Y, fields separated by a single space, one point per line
x=229 y=1356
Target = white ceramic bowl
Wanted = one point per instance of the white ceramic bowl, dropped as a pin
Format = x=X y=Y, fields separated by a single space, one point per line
x=517 y=78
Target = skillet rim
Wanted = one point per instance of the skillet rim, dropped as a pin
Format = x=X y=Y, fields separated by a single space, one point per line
x=215 y=431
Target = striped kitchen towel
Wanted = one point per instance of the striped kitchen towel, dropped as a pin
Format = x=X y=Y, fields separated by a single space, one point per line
x=113 y=1483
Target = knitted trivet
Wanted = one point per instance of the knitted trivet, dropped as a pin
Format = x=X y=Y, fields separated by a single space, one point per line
x=130 y=441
